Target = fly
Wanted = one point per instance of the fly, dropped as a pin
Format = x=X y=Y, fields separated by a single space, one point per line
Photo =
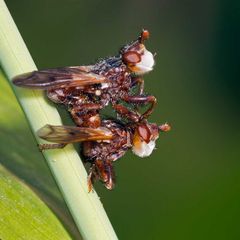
x=85 y=90
x=103 y=145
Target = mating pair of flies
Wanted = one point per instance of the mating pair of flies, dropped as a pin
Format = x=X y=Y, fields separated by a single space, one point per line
x=85 y=90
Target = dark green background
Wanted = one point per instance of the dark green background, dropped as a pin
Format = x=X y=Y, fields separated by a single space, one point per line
x=190 y=186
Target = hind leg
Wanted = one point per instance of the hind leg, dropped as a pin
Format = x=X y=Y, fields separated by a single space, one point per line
x=101 y=170
x=43 y=147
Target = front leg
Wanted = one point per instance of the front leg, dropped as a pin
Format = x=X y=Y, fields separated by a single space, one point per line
x=132 y=116
x=142 y=100
x=140 y=82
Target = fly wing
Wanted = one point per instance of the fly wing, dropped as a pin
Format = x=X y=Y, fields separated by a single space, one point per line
x=78 y=76
x=68 y=134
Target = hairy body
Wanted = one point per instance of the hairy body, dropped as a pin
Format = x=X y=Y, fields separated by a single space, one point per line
x=85 y=90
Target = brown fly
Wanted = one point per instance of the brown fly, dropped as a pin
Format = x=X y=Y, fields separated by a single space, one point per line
x=85 y=90
x=103 y=145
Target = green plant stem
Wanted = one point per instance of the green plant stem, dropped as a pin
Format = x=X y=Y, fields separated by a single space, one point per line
x=65 y=164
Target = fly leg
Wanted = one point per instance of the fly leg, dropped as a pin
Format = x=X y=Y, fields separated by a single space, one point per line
x=43 y=147
x=140 y=82
x=92 y=175
x=139 y=99
x=133 y=116
x=106 y=173
x=86 y=115
x=103 y=170
x=141 y=86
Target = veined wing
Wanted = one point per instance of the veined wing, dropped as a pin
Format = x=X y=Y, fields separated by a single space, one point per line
x=69 y=134
x=78 y=76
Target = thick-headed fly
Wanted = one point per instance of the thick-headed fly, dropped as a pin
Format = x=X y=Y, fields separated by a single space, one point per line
x=105 y=144
x=85 y=90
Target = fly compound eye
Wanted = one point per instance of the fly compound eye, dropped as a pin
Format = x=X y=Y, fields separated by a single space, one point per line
x=145 y=133
x=143 y=144
x=131 y=57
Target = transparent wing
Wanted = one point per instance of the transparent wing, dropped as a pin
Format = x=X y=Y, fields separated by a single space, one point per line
x=69 y=134
x=78 y=76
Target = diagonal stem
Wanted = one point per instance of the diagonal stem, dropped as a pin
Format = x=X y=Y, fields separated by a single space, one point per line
x=65 y=164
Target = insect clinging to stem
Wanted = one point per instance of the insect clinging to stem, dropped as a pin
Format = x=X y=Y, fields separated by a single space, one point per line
x=85 y=90
x=103 y=145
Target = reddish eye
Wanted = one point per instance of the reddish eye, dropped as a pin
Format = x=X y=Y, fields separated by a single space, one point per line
x=131 y=57
x=144 y=133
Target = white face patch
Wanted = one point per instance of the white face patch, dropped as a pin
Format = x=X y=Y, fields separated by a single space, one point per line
x=147 y=62
x=144 y=149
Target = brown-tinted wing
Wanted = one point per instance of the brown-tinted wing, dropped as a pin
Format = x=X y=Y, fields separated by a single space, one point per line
x=68 y=134
x=59 y=77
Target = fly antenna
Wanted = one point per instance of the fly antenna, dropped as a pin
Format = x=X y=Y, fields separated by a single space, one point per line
x=164 y=127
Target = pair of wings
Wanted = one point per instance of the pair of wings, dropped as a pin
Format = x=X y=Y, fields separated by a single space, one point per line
x=78 y=76
x=69 y=134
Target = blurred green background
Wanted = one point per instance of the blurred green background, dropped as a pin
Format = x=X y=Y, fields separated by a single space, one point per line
x=190 y=186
